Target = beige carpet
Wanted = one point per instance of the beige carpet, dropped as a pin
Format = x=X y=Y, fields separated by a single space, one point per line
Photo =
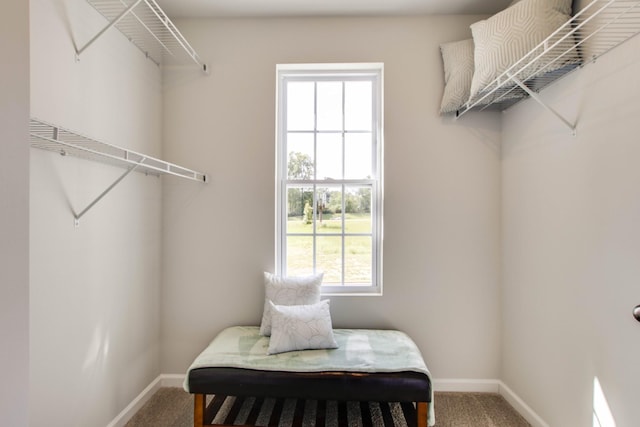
x=173 y=407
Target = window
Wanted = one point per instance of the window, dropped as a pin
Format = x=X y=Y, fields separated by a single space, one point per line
x=329 y=175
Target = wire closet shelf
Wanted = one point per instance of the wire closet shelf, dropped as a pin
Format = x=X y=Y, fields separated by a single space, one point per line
x=49 y=137
x=594 y=30
x=146 y=25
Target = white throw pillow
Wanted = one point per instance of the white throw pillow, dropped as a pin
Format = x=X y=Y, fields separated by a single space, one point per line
x=301 y=327
x=457 y=58
x=507 y=36
x=291 y=290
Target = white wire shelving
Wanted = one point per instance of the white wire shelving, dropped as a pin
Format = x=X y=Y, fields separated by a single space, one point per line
x=49 y=137
x=146 y=25
x=593 y=31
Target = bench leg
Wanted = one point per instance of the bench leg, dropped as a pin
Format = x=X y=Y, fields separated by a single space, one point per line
x=199 y=404
x=422 y=413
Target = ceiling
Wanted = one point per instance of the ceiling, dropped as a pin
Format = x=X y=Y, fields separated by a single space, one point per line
x=279 y=8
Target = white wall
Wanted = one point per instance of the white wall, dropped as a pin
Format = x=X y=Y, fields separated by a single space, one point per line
x=94 y=289
x=442 y=181
x=14 y=213
x=571 y=244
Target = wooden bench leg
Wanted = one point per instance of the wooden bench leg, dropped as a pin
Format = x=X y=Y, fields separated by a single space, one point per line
x=422 y=413
x=199 y=404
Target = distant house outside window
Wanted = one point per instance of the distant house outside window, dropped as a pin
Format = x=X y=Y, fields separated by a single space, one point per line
x=329 y=175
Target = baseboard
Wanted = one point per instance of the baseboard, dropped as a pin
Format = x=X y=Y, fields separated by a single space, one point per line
x=172 y=380
x=519 y=405
x=491 y=386
x=163 y=380
x=439 y=385
x=466 y=385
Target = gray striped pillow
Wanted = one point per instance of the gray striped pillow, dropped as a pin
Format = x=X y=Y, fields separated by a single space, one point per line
x=457 y=58
x=507 y=36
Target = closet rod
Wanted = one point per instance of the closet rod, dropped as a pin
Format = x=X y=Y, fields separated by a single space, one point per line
x=54 y=138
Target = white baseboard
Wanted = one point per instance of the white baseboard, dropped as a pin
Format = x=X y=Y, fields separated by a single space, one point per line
x=466 y=385
x=525 y=410
x=491 y=386
x=441 y=385
x=136 y=404
x=172 y=380
x=163 y=380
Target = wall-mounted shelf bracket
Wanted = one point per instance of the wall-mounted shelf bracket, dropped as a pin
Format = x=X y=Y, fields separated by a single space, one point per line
x=146 y=25
x=539 y=100
x=48 y=137
x=105 y=29
x=77 y=216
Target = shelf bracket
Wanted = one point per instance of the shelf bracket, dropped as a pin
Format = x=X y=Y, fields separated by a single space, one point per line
x=147 y=27
x=104 y=193
x=109 y=25
x=539 y=100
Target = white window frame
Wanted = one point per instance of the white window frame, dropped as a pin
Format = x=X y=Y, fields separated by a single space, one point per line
x=373 y=71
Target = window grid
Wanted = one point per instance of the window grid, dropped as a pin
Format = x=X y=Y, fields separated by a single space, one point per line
x=374 y=233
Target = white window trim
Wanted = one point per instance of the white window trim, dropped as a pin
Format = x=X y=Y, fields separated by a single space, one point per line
x=286 y=71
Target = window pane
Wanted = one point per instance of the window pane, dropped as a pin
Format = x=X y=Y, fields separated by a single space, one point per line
x=299 y=255
x=358 y=106
x=300 y=111
x=329 y=203
x=357 y=155
x=329 y=106
x=357 y=209
x=300 y=156
x=299 y=209
x=329 y=152
x=328 y=159
x=357 y=260
x=329 y=259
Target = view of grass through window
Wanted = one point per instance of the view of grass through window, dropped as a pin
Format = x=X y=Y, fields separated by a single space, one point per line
x=335 y=234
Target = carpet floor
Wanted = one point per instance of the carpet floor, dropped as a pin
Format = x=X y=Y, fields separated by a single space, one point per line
x=173 y=407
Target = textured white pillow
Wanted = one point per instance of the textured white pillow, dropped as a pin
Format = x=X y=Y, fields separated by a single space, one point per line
x=507 y=36
x=301 y=327
x=457 y=58
x=292 y=290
